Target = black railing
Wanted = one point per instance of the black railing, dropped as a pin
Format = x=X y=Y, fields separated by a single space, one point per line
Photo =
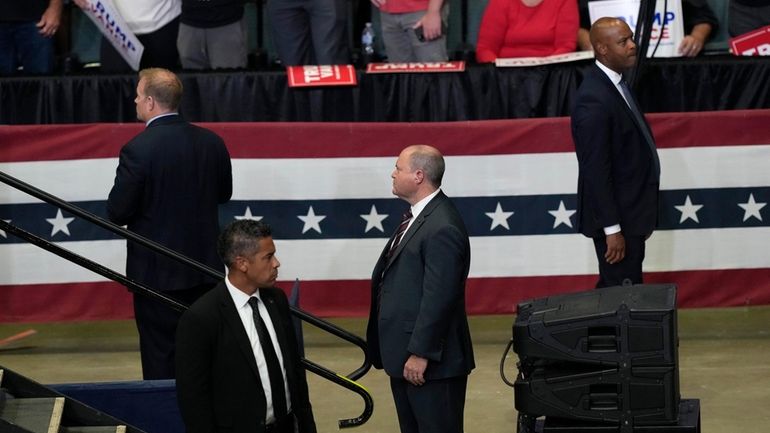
x=344 y=381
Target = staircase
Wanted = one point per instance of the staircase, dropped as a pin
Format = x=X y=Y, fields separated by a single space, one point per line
x=29 y=407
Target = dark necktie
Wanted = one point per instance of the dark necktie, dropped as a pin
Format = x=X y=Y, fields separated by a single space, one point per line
x=399 y=233
x=642 y=124
x=271 y=359
x=396 y=240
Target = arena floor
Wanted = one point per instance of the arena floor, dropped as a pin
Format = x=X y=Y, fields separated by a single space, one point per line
x=724 y=359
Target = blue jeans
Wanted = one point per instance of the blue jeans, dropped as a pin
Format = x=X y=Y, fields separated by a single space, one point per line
x=22 y=44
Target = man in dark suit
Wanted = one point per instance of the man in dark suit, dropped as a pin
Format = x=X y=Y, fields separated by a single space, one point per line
x=619 y=170
x=169 y=183
x=226 y=381
x=418 y=329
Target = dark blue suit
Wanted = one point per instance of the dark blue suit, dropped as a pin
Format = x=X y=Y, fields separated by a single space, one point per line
x=617 y=182
x=421 y=311
x=169 y=183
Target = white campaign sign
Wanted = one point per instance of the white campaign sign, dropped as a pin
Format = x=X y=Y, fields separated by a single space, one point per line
x=108 y=20
x=667 y=27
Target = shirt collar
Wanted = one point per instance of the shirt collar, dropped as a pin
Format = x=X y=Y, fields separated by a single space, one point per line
x=420 y=205
x=159 y=116
x=239 y=298
x=612 y=75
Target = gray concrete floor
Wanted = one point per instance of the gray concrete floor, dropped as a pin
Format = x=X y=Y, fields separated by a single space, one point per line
x=724 y=358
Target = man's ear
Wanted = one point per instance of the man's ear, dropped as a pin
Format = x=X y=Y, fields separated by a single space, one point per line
x=419 y=176
x=601 y=48
x=240 y=264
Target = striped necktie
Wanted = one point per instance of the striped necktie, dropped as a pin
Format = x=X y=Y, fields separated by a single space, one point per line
x=399 y=232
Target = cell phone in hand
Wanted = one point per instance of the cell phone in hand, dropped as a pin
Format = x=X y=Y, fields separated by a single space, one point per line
x=421 y=36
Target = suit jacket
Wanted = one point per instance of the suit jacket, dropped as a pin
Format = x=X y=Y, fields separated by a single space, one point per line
x=169 y=182
x=617 y=180
x=422 y=303
x=217 y=379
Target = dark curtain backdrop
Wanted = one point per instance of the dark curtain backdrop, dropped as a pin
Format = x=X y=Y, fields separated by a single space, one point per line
x=482 y=92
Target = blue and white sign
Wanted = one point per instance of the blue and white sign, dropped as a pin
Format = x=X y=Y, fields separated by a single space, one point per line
x=112 y=25
x=667 y=27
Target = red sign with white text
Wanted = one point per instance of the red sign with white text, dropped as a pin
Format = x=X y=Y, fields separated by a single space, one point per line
x=753 y=43
x=321 y=75
x=390 y=68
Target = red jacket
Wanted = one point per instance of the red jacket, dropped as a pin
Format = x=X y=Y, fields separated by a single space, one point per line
x=511 y=29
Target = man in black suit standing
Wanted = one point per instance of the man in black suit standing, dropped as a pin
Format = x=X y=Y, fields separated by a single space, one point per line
x=169 y=183
x=238 y=363
x=619 y=169
x=418 y=329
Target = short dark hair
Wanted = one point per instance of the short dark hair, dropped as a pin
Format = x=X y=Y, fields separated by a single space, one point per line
x=241 y=238
x=163 y=85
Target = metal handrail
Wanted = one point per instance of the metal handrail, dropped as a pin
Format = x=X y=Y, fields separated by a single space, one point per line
x=141 y=240
x=344 y=381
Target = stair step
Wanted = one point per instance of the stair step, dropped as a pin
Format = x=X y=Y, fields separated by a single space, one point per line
x=92 y=429
x=38 y=415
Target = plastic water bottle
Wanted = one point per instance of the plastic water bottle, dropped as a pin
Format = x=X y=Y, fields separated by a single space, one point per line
x=367 y=40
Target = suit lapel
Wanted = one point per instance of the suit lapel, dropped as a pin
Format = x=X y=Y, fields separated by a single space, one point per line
x=619 y=98
x=235 y=325
x=416 y=225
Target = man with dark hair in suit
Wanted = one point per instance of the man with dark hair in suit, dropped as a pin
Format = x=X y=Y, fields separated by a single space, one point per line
x=169 y=183
x=238 y=363
x=418 y=329
x=619 y=170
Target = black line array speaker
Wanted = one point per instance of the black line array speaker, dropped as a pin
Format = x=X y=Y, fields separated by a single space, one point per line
x=606 y=356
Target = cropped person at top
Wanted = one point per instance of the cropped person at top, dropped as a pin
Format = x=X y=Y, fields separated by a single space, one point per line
x=212 y=34
x=414 y=30
x=155 y=24
x=527 y=28
x=700 y=23
x=747 y=15
x=26 y=29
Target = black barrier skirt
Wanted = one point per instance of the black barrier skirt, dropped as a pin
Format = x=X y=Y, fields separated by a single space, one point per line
x=481 y=92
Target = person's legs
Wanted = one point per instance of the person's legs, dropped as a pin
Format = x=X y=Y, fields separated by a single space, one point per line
x=160 y=47
x=290 y=28
x=328 y=26
x=396 y=38
x=7 y=49
x=227 y=46
x=35 y=51
x=435 y=407
x=429 y=51
x=156 y=323
x=628 y=270
x=191 y=44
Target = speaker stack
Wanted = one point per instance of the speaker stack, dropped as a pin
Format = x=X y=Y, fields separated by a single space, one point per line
x=601 y=361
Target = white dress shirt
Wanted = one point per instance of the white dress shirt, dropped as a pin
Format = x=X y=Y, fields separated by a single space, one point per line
x=419 y=206
x=159 y=116
x=241 y=301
